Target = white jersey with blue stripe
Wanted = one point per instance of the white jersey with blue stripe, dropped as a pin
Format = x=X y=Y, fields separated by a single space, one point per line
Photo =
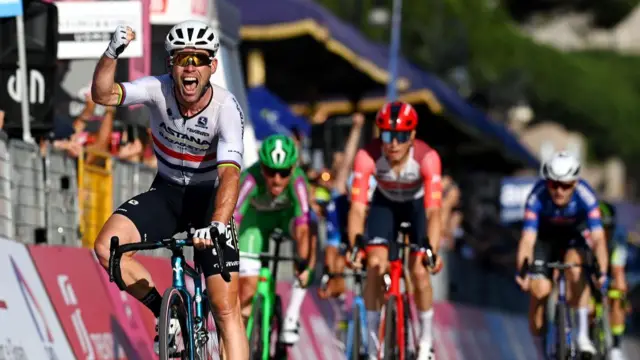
x=540 y=210
x=189 y=149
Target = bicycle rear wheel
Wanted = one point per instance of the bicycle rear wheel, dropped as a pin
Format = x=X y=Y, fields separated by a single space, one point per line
x=173 y=308
x=356 y=336
x=256 y=344
x=390 y=338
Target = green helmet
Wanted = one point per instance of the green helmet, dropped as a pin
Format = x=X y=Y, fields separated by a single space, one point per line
x=278 y=152
x=607 y=214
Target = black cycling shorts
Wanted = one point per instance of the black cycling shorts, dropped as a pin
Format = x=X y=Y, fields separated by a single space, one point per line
x=552 y=245
x=167 y=209
x=384 y=219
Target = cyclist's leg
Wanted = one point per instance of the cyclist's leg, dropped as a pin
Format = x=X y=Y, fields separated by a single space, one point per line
x=541 y=285
x=334 y=263
x=198 y=206
x=252 y=242
x=298 y=291
x=578 y=293
x=380 y=228
x=336 y=244
x=146 y=216
x=617 y=296
x=423 y=292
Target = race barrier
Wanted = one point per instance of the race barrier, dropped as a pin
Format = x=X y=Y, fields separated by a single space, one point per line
x=57 y=303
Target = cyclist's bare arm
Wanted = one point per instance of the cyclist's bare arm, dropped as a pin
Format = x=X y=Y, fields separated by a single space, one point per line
x=349 y=154
x=302 y=236
x=431 y=169
x=363 y=168
x=357 y=214
x=104 y=89
x=230 y=151
x=600 y=248
x=525 y=247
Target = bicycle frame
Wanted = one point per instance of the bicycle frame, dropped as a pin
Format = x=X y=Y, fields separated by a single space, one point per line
x=267 y=291
x=180 y=267
x=396 y=270
x=358 y=303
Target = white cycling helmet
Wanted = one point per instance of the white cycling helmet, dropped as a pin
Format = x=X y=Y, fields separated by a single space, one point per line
x=562 y=166
x=192 y=34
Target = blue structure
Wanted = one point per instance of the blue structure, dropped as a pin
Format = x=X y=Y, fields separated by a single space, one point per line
x=270 y=115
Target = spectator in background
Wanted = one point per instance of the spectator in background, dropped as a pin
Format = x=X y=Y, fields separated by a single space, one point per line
x=336 y=181
x=451 y=215
x=1 y=119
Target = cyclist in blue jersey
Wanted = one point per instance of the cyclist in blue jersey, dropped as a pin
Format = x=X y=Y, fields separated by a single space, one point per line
x=559 y=207
x=337 y=211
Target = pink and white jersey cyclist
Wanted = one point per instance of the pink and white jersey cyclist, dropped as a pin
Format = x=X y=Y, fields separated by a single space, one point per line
x=408 y=173
x=408 y=183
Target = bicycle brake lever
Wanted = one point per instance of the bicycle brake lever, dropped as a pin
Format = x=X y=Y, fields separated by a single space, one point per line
x=221 y=263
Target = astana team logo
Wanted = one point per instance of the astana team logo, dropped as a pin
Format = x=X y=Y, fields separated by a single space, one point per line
x=278 y=154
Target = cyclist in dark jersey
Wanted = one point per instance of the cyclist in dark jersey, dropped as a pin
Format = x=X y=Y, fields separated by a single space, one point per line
x=556 y=210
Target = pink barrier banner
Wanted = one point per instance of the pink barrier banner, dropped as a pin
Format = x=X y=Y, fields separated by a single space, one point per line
x=127 y=313
x=29 y=328
x=71 y=279
x=317 y=339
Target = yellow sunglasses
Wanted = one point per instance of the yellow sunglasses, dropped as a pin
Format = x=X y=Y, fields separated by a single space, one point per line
x=195 y=59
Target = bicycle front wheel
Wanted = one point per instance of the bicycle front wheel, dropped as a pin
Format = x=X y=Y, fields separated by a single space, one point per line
x=561 y=331
x=207 y=336
x=173 y=331
x=390 y=338
x=356 y=335
x=256 y=348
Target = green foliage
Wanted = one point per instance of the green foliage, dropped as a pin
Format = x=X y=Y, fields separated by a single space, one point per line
x=597 y=93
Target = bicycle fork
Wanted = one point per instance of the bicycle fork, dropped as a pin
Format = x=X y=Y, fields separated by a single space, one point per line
x=392 y=284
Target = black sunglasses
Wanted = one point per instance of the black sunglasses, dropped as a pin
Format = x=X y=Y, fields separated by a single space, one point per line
x=272 y=172
x=558 y=184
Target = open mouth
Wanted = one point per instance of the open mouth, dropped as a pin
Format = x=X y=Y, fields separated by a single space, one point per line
x=190 y=84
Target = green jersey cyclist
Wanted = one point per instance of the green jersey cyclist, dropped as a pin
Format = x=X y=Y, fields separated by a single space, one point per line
x=274 y=194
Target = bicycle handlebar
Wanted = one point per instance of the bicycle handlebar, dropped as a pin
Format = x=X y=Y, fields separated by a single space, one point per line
x=556 y=265
x=116 y=251
x=326 y=276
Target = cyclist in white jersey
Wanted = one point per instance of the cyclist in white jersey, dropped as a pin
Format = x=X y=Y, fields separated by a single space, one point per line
x=197 y=130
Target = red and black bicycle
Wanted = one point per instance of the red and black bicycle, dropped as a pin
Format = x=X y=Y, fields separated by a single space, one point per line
x=397 y=333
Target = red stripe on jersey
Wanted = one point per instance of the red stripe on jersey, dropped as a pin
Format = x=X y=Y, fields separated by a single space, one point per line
x=180 y=156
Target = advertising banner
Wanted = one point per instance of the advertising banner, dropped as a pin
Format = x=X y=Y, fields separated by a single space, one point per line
x=127 y=315
x=30 y=328
x=513 y=195
x=81 y=302
x=86 y=27
x=171 y=12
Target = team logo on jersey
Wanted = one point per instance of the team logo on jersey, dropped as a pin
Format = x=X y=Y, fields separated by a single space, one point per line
x=202 y=122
